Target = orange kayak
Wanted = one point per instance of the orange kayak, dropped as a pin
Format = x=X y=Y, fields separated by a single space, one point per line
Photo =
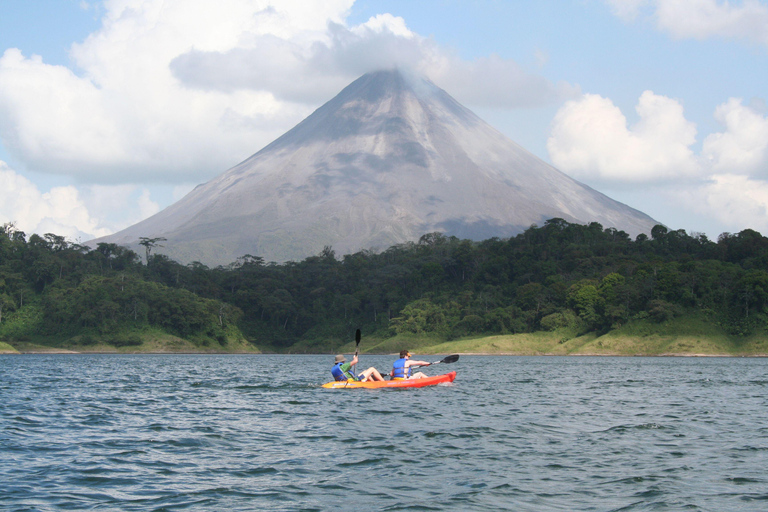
x=408 y=383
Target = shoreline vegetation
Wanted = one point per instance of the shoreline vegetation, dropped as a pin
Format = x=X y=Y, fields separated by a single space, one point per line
x=677 y=338
x=559 y=289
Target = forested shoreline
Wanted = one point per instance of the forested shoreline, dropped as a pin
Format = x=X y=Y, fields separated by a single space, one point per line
x=560 y=277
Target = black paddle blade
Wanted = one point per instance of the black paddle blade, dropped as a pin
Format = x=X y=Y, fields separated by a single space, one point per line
x=357 y=337
x=451 y=359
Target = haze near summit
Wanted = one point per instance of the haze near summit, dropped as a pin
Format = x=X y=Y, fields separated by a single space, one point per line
x=113 y=110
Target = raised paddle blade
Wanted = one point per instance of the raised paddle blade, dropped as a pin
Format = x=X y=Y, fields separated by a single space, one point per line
x=358 y=335
x=450 y=359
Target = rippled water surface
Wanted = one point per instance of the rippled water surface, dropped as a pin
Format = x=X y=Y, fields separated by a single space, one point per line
x=201 y=432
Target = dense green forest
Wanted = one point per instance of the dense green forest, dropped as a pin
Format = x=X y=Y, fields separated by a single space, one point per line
x=557 y=276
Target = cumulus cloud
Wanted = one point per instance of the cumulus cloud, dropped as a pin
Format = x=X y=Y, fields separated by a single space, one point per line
x=59 y=210
x=122 y=116
x=591 y=140
x=67 y=211
x=736 y=202
x=179 y=90
x=743 y=147
x=701 y=19
x=118 y=206
x=285 y=68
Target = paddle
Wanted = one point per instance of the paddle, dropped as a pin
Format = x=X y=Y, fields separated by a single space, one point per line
x=357 y=348
x=449 y=359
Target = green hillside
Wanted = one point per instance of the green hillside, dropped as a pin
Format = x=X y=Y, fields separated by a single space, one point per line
x=556 y=289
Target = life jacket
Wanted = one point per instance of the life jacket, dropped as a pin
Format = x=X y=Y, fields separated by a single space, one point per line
x=340 y=375
x=401 y=372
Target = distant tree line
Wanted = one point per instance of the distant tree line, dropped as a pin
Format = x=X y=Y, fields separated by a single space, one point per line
x=557 y=275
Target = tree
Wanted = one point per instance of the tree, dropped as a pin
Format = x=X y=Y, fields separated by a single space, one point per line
x=55 y=242
x=753 y=290
x=530 y=296
x=585 y=299
x=420 y=316
x=151 y=243
x=6 y=303
x=658 y=232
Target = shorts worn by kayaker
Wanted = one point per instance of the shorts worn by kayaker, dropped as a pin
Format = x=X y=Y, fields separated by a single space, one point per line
x=342 y=370
x=401 y=369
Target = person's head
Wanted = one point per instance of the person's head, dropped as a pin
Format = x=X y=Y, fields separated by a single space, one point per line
x=404 y=353
x=340 y=359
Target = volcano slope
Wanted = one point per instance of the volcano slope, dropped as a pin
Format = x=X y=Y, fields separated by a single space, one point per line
x=390 y=158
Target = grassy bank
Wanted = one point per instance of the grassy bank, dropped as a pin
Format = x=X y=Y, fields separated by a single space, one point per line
x=7 y=349
x=684 y=336
x=146 y=342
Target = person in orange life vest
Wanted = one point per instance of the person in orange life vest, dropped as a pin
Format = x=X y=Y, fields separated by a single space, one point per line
x=342 y=370
x=401 y=369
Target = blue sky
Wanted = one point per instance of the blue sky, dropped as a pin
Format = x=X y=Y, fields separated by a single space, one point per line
x=110 y=111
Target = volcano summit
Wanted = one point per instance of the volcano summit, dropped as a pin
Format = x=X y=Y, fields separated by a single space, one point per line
x=387 y=160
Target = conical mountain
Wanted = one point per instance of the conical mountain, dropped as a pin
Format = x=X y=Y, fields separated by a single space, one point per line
x=387 y=160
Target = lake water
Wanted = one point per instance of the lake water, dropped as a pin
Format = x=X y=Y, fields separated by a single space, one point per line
x=256 y=432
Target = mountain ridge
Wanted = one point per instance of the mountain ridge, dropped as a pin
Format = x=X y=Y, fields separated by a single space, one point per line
x=388 y=159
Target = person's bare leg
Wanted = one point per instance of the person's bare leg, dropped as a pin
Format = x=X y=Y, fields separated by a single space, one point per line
x=375 y=374
x=372 y=374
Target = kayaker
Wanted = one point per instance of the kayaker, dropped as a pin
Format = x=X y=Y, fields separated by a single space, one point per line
x=401 y=369
x=342 y=370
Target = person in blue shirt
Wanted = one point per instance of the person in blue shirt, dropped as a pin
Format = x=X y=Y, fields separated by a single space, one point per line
x=401 y=369
x=342 y=370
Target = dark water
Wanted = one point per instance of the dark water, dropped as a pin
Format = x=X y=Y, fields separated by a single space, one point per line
x=191 y=432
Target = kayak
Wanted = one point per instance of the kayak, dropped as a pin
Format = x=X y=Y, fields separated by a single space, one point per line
x=406 y=383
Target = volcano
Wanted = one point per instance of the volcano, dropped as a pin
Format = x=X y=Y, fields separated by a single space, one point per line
x=390 y=158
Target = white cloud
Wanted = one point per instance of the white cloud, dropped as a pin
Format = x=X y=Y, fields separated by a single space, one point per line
x=701 y=19
x=124 y=116
x=382 y=23
x=590 y=140
x=315 y=73
x=727 y=183
x=60 y=210
x=77 y=214
x=147 y=207
x=743 y=147
x=496 y=82
x=118 y=206
x=66 y=121
x=176 y=91
x=735 y=202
